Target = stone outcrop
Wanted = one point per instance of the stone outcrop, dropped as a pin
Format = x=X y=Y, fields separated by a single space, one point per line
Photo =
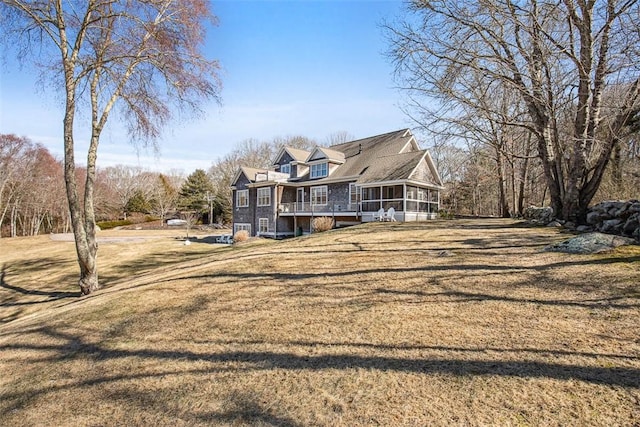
x=590 y=243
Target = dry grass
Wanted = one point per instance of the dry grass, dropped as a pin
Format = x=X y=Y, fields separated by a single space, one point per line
x=370 y=325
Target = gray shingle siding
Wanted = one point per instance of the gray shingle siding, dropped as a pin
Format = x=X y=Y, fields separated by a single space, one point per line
x=391 y=159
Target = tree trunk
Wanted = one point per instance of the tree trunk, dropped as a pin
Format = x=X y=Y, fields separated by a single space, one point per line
x=83 y=230
x=503 y=210
x=524 y=172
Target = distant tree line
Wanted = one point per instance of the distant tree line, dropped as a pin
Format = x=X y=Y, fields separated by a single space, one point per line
x=32 y=188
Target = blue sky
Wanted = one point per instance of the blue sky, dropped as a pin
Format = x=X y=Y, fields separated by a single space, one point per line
x=297 y=67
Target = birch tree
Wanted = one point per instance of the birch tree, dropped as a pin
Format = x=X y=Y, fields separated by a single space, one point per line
x=139 y=58
x=559 y=57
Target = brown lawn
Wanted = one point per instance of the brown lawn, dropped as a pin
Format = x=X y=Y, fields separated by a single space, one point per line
x=369 y=325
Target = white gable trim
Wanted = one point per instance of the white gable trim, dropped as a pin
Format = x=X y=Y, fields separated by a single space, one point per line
x=279 y=155
x=237 y=177
x=426 y=157
x=283 y=150
x=313 y=156
x=411 y=145
x=434 y=170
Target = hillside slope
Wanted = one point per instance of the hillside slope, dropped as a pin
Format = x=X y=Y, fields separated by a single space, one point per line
x=444 y=323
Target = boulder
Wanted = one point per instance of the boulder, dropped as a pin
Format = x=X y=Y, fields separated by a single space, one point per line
x=611 y=226
x=630 y=226
x=590 y=243
x=542 y=215
x=594 y=217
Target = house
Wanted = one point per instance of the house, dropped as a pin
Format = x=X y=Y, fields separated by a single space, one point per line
x=350 y=182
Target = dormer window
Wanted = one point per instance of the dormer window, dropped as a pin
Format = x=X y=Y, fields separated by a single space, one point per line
x=319 y=170
x=286 y=168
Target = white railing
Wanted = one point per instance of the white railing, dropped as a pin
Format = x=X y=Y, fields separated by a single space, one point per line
x=307 y=207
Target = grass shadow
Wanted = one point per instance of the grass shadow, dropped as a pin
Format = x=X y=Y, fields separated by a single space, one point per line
x=51 y=295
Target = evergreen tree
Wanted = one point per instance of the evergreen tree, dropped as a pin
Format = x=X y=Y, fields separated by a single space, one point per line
x=196 y=191
x=138 y=203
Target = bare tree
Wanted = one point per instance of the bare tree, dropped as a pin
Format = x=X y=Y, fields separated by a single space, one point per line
x=13 y=153
x=339 y=137
x=252 y=153
x=123 y=182
x=190 y=219
x=558 y=57
x=164 y=196
x=141 y=56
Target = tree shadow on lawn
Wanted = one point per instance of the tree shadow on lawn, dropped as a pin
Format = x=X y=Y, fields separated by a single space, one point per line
x=75 y=347
x=33 y=265
x=149 y=262
x=243 y=408
x=542 y=279
x=465 y=297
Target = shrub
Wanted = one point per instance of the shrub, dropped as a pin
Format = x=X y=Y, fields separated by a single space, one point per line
x=445 y=214
x=322 y=223
x=241 y=236
x=105 y=225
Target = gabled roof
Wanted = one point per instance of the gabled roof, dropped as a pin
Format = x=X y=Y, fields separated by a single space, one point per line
x=434 y=176
x=396 y=142
x=326 y=153
x=388 y=157
x=296 y=154
x=249 y=173
x=392 y=168
x=364 y=153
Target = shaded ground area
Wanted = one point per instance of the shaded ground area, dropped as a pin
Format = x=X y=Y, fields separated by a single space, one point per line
x=369 y=325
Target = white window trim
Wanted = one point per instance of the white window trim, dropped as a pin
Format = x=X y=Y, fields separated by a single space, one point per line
x=242 y=226
x=246 y=198
x=286 y=168
x=313 y=198
x=354 y=190
x=313 y=171
x=262 y=190
x=262 y=221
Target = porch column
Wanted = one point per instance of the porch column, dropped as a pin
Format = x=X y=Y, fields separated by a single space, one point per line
x=404 y=198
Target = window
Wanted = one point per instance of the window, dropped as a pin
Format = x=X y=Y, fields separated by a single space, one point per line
x=264 y=196
x=285 y=168
x=354 y=194
x=242 y=198
x=319 y=195
x=241 y=226
x=319 y=170
x=263 y=225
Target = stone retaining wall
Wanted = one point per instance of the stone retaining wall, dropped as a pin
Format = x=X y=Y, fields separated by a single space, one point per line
x=611 y=217
x=616 y=217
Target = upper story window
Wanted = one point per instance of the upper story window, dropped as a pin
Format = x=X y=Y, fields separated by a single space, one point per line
x=285 y=168
x=264 y=196
x=319 y=170
x=242 y=198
